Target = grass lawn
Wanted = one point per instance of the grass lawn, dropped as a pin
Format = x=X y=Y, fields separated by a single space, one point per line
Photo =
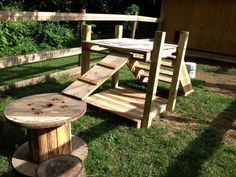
x=194 y=141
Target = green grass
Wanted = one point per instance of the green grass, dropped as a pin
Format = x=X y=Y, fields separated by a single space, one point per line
x=118 y=149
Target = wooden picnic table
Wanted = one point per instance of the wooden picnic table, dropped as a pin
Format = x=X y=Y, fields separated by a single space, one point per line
x=140 y=48
x=47 y=119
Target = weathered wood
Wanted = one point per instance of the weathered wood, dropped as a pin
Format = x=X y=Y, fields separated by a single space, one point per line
x=87 y=80
x=44 y=110
x=115 y=79
x=22 y=162
x=101 y=74
x=185 y=81
x=36 y=80
x=125 y=102
x=134 y=27
x=61 y=166
x=150 y=110
x=57 y=16
x=35 y=57
x=107 y=65
x=86 y=36
x=182 y=45
x=118 y=31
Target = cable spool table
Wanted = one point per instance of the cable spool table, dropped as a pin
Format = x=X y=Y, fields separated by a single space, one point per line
x=47 y=118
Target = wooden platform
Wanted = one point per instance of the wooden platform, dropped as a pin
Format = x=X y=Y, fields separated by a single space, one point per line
x=96 y=76
x=125 y=102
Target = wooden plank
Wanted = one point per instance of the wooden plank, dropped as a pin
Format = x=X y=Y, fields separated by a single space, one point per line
x=52 y=142
x=125 y=102
x=149 y=110
x=40 y=56
x=107 y=65
x=134 y=27
x=118 y=31
x=185 y=81
x=101 y=74
x=87 y=80
x=58 y=16
x=182 y=45
x=36 y=80
x=63 y=139
x=43 y=145
x=161 y=77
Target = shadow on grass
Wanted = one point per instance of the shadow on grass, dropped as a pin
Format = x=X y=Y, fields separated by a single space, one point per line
x=191 y=160
x=109 y=122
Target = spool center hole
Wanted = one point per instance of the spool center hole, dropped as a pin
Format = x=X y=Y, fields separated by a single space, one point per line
x=48 y=105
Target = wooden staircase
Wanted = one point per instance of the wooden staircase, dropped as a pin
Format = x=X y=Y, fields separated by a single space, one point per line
x=140 y=70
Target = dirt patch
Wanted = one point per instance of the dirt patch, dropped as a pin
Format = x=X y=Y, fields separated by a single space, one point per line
x=219 y=83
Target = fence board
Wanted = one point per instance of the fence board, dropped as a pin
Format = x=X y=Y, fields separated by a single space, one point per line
x=56 y=16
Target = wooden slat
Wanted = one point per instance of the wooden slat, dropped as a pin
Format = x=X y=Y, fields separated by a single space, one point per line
x=87 y=80
x=162 y=71
x=167 y=64
x=161 y=77
x=107 y=65
x=58 y=16
x=101 y=74
x=123 y=101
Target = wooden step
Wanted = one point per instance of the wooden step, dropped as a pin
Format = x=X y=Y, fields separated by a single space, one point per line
x=161 y=77
x=96 y=76
x=125 y=102
x=162 y=71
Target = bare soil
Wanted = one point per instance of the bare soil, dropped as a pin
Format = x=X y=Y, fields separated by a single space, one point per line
x=219 y=83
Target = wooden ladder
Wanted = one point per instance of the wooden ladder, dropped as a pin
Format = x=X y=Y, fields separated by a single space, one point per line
x=96 y=76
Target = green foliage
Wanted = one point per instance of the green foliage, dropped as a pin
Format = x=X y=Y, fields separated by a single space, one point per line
x=29 y=37
x=53 y=34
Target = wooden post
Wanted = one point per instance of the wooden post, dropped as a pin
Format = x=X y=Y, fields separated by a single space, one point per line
x=182 y=45
x=115 y=77
x=85 y=62
x=118 y=31
x=82 y=23
x=160 y=25
x=150 y=110
x=134 y=27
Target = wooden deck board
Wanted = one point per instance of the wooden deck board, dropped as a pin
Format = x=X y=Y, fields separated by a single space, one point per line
x=125 y=102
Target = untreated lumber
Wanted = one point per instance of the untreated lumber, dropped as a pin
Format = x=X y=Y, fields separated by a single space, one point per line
x=58 y=16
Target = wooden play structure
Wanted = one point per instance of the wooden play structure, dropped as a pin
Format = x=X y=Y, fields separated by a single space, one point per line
x=127 y=102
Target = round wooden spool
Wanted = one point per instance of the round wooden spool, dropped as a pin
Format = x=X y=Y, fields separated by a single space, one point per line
x=47 y=118
x=61 y=166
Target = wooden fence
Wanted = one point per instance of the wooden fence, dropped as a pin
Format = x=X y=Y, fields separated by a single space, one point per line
x=41 y=56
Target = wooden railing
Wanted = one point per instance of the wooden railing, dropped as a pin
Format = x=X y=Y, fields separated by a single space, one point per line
x=56 y=16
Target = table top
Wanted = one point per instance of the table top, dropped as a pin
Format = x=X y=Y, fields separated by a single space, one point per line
x=128 y=44
x=44 y=110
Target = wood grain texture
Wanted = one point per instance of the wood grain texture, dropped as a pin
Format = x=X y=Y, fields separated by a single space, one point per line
x=63 y=166
x=99 y=73
x=23 y=164
x=182 y=45
x=211 y=24
x=125 y=102
x=57 y=16
x=150 y=110
x=44 y=110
